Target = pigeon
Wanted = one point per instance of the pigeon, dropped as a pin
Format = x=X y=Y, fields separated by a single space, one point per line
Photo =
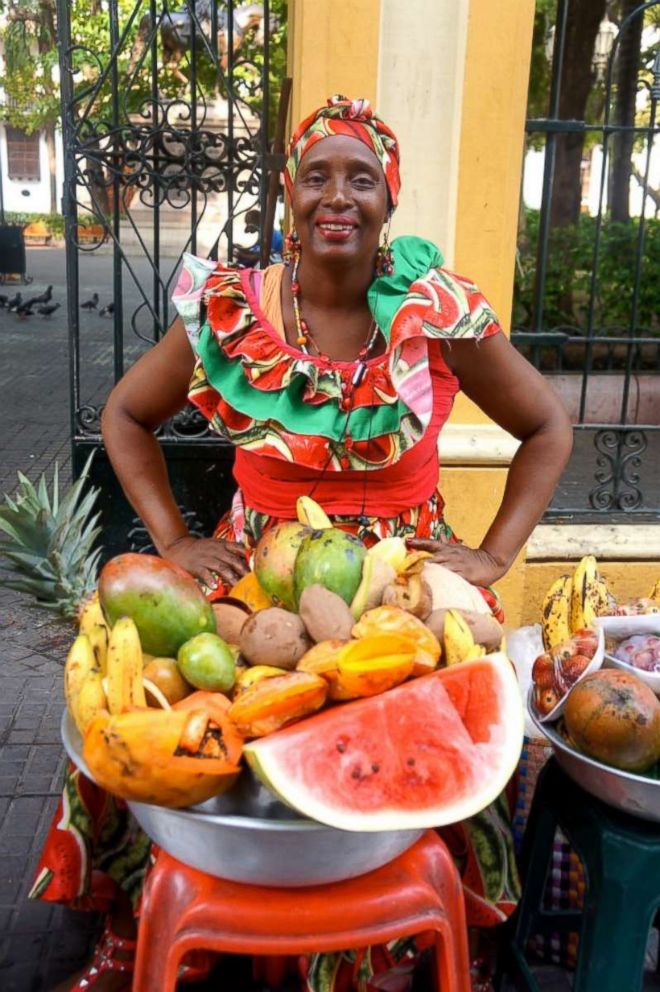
x=90 y=304
x=25 y=310
x=107 y=311
x=14 y=303
x=48 y=311
x=44 y=297
x=4 y=300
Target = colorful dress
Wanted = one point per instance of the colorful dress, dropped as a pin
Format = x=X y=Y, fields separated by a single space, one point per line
x=362 y=440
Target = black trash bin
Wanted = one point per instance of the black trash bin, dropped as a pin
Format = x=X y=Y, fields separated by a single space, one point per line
x=12 y=251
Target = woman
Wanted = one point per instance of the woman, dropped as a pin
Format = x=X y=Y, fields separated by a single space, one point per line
x=333 y=375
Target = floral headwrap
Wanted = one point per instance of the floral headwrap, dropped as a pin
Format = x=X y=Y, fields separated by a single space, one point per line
x=356 y=119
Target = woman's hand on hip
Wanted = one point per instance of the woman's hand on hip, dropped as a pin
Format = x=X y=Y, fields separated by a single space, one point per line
x=209 y=559
x=475 y=564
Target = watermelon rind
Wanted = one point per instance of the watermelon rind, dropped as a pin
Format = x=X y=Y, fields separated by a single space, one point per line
x=270 y=759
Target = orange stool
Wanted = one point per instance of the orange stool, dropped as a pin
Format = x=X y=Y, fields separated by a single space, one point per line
x=185 y=910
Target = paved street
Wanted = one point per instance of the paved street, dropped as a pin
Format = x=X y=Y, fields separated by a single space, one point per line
x=41 y=944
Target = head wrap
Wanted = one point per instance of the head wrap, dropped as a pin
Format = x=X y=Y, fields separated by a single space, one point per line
x=353 y=118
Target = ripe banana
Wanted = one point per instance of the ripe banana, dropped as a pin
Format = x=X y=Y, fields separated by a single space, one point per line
x=478 y=651
x=124 y=687
x=91 y=614
x=80 y=661
x=655 y=592
x=556 y=613
x=457 y=640
x=98 y=638
x=90 y=700
x=585 y=594
x=311 y=514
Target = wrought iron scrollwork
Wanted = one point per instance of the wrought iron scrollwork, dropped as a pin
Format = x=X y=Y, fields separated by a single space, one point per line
x=138 y=538
x=619 y=459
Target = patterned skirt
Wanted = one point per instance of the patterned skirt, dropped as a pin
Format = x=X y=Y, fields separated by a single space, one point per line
x=94 y=844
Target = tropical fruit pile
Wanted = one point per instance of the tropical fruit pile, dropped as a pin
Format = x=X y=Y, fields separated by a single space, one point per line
x=610 y=714
x=166 y=688
x=571 y=610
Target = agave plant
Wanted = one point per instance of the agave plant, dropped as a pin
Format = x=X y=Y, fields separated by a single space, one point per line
x=46 y=545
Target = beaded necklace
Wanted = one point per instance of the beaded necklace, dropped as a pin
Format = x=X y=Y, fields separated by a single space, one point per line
x=303 y=334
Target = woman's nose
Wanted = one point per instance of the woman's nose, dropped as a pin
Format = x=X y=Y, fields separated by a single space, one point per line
x=337 y=191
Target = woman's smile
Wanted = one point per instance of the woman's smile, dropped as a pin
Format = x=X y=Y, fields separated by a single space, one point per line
x=334 y=228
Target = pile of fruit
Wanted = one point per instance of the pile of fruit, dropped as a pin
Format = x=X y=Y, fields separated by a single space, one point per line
x=609 y=714
x=166 y=689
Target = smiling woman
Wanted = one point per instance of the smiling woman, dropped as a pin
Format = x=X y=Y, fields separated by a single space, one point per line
x=332 y=375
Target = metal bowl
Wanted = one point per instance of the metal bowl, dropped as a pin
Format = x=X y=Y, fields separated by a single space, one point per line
x=246 y=835
x=634 y=794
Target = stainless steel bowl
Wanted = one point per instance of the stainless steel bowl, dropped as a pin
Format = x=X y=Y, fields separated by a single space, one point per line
x=626 y=791
x=246 y=835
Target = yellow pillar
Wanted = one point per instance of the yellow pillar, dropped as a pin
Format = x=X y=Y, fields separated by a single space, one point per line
x=333 y=48
x=498 y=51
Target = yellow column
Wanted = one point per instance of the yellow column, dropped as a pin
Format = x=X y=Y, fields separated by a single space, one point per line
x=333 y=48
x=499 y=44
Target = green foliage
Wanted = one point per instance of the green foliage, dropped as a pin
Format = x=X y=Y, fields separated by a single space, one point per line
x=54 y=222
x=569 y=275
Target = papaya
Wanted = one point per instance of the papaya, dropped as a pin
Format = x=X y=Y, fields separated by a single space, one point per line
x=164 y=601
x=273 y=703
x=322 y=660
x=174 y=758
x=251 y=593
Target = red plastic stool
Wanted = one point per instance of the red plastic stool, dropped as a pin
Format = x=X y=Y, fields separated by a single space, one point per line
x=185 y=910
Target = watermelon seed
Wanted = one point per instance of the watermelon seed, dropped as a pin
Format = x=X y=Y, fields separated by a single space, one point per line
x=375 y=768
x=341 y=746
x=357 y=772
x=410 y=761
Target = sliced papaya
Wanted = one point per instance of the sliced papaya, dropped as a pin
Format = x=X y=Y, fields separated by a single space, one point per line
x=375 y=663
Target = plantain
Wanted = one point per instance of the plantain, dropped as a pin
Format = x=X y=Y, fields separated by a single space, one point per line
x=98 y=637
x=124 y=687
x=585 y=594
x=310 y=514
x=457 y=640
x=91 y=615
x=80 y=661
x=90 y=700
x=556 y=613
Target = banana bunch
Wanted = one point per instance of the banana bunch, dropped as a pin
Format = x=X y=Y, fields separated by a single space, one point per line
x=458 y=644
x=83 y=682
x=91 y=615
x=573 y=602
x=104 y=673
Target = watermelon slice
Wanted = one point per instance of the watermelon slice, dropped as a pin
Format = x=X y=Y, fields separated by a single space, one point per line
x=433 y=751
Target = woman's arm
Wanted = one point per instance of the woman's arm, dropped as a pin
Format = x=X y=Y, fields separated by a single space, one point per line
x=154 y=389
x=513 y=394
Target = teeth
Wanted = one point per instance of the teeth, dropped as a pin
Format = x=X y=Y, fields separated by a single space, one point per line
x=336 y=227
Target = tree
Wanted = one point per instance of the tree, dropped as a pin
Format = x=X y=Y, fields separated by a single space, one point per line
x=577 y=81
x=30 y=86
x=626 y=76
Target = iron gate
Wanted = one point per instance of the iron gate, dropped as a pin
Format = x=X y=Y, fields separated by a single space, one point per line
x=588 y=293
x=166 y=131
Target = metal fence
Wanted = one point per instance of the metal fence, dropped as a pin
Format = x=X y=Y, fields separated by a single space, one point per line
x=165 y=127
x=591 y=290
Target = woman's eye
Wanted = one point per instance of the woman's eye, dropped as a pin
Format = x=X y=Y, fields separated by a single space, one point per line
x=315 y=178
x=364 y=182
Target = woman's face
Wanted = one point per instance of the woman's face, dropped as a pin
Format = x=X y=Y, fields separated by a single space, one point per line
x=339 y=201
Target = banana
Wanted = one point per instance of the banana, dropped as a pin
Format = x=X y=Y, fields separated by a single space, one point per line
x=91 y=614
x=90 y=700
x=478 y=651
x=655 y=592
x=457 y=640
x=585 y=594
x=98 y=638
x=80 y=661
x=605 y=600
x=124 y=674
x=311 y=514
x=556 y=613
